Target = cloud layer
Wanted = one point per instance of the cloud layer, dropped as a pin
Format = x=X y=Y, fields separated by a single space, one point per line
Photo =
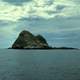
x=38 y=8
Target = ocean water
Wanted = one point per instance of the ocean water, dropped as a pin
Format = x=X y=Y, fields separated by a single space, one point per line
x=39 y=64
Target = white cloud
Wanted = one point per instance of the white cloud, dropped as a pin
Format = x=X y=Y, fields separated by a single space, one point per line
x=38 y=8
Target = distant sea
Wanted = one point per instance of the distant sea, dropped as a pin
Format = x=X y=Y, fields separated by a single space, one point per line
x=39 y=64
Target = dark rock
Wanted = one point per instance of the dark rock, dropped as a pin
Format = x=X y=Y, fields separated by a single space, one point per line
x=27 y=40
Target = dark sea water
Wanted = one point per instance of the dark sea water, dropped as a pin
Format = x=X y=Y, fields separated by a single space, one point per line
x=39 y=64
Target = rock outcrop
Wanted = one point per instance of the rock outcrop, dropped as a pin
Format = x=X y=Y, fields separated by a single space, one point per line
x=27 y=40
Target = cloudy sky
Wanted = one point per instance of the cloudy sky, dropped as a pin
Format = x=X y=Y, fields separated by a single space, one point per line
x=57 y=20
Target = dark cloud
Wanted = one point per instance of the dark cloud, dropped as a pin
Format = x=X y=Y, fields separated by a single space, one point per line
x=74 y=18
x=60 y=7
x=17 y=2
x=60 y=27
x=49 y=2
x=77 y=1
x=4 y=23
x=60 y=23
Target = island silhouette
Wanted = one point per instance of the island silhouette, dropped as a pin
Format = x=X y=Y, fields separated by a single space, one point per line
x=26 y=40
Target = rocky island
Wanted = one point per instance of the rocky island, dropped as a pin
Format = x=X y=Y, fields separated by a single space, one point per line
x=26 y=40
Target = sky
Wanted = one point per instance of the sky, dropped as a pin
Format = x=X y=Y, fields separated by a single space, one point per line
x=57 y=20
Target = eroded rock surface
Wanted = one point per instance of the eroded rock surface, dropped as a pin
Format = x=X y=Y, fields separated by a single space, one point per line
x=27 y=40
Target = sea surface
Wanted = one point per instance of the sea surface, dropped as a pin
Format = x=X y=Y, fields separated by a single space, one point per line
x=39 y=64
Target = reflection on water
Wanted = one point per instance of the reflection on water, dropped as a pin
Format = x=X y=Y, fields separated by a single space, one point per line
x=39 y=65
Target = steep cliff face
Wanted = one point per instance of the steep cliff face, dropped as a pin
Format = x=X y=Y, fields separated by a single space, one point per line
x=27 y=40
